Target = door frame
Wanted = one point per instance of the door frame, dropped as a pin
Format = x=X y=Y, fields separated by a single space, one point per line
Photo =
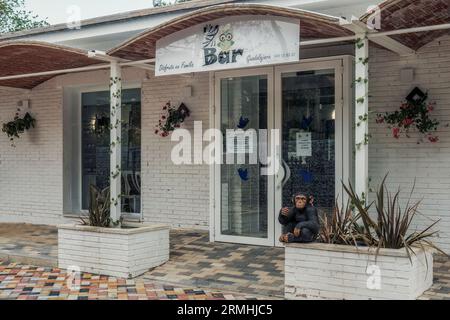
x=218 y=236
x=342 y=123
x=343 y=66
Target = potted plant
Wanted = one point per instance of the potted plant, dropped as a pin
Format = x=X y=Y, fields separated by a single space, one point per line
x=99 y=246
x=413 y=114
x=19 y=125
x=171 y=119
x=365 y=252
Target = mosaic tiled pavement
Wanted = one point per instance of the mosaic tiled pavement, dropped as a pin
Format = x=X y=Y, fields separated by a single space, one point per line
x=45 y=283
x=243 y=271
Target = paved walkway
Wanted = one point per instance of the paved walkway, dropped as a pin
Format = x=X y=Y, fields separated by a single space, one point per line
x=45 y=283
x=194 y=261
x=29 y=244
x=250 y=271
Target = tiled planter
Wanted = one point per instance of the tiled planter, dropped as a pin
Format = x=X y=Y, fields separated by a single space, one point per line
x=324 y=271
x=126 y=253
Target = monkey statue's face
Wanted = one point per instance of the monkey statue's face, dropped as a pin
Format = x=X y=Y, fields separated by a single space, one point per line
x=300 y=201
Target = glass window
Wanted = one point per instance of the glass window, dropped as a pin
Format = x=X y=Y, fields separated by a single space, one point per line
x=244 y=189
x=308 y=107
x=95 y=139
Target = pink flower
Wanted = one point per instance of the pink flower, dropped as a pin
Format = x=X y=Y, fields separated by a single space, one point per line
x=407 y=122
x=433 y=139
x=430 y=107
x=380 y=119
x=396 y=132
x=163 y=117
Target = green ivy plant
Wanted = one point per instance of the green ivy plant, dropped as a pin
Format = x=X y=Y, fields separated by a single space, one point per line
x=359 y=43
x=15 y=128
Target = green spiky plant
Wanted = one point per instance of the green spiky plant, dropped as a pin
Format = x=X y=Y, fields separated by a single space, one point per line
x=341 y=227
x=391 y=226
x=99 y=208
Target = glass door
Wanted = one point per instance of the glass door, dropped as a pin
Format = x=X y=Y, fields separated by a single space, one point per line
x=307 y=106
x=244 y=195
x=309 y=114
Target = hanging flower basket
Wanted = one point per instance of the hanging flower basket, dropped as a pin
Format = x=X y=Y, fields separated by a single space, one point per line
x=414 y=114
x=15 y=128
x=101 y=125
x=171 y=119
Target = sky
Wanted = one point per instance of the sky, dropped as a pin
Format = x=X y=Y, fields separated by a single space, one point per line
x=60 y=11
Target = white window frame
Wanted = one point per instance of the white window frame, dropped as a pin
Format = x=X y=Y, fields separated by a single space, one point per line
x=78 y=92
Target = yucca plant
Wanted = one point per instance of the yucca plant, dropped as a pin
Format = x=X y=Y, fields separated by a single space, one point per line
x=391 y=226
x=341 y=228
x=99 y=208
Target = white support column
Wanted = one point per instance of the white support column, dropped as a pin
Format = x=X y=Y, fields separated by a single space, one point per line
x=116 y=126
x=362 y=115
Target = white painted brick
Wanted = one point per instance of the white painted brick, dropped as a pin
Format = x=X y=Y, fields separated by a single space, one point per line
x=121 y=257
x=346 y=278
x=403 y=158
x=31 y=174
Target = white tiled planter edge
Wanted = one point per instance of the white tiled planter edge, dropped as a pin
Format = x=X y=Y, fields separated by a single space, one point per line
x=325 y=271
x=126 y=252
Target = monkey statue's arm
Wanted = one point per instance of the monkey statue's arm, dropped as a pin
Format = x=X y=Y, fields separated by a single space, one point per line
x=285 y=219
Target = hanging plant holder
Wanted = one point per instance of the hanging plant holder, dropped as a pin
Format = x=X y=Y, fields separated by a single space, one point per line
x=19 y=125
x=414 y=114
x=101 y=125
x=171 y=119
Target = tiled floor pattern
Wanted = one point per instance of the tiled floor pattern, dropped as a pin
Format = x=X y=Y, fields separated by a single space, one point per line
x=194 y=261
x=42 y=283
x=30 y=241
x=441 y=286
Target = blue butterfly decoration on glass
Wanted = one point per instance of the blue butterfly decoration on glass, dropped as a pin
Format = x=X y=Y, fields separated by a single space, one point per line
x=306 y=123
x=307 y=176
x=243 y=174
x=243 y=122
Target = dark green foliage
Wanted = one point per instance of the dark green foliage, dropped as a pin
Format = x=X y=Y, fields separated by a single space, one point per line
x=14 y=128
x=412 y=114
x=13 y=17
x=164 y=3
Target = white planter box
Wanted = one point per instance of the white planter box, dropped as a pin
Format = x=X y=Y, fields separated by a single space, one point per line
x=126 y=253
x=324 y=271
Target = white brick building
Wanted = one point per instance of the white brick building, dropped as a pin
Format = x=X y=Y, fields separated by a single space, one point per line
x=43 y=176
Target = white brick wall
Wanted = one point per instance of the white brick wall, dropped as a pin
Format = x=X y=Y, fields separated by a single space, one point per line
x=322 y=271
x=404 y=159
x=178 y=195
x=31 y=173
